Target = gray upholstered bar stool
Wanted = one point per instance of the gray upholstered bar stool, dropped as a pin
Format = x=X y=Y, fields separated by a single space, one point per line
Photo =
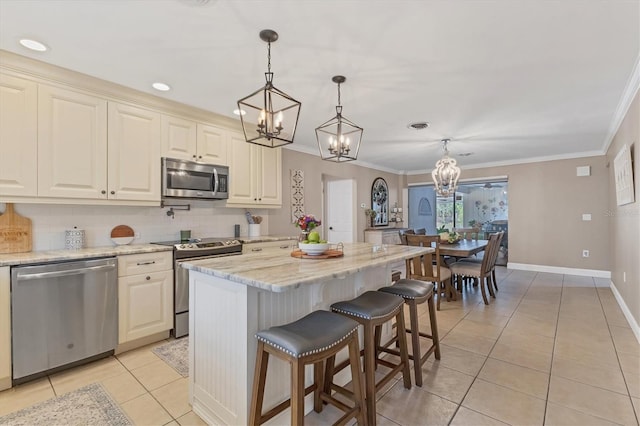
x=310 y=340
x=415 y=292
x=372 y=309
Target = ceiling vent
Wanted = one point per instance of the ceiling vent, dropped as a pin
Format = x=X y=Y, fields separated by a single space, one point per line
x=418 y=125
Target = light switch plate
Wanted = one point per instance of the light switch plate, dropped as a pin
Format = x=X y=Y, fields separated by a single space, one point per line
x=583 y=171
x=586 y=216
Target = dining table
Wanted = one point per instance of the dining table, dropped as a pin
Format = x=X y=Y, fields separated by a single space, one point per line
x=463 y=248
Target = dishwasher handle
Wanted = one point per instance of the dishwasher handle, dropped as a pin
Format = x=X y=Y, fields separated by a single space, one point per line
x=23 y=276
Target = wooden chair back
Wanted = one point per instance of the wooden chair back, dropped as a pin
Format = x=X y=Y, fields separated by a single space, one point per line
x=491 y=253
x=403 y=235
x=421 y=231
x=468 y=233
x=425 y=267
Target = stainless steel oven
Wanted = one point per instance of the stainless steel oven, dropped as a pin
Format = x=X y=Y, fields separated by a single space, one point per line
x=193 y=250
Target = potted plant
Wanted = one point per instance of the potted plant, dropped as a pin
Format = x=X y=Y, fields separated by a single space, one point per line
x=371 y=215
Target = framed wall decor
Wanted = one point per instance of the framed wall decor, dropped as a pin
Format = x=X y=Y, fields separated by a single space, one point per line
x=623 y=173
x=380 y=202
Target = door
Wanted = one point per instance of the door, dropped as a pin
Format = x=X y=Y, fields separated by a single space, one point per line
x=18 y=137
x=72 y=144
x=134 y=153
x=339 y=207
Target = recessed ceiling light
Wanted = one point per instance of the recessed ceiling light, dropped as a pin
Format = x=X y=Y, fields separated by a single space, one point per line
x=465 y=154
x=239 y=111
x=33 y=45
x=418 y=125
x=161 y=86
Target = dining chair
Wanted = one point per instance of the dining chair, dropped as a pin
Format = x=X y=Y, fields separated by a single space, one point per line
x=480 y=272
x=428 y=267
x=403 y=235
x=493 y=256
x=468 y=233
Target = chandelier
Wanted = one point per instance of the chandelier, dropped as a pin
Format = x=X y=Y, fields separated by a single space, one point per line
x=339 y=139
x=446 y=174
x=269 y=116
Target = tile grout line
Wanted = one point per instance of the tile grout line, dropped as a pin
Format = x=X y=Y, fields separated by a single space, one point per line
x=487 y=357
x=553 y=351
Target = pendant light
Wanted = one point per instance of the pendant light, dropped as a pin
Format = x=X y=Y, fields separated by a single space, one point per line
x=446 y=174
x=269 y=116
x=339 y=139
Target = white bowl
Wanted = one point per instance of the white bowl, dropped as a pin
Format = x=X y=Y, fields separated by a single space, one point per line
x=314 y=249
x=120 y=241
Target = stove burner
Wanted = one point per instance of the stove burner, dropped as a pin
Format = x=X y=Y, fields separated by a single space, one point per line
x=203 y=247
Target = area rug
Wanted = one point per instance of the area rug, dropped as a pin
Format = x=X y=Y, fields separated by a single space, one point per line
x=176 y=354
x=90 y=405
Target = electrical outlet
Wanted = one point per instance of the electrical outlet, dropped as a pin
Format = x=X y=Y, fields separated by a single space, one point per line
x=137 y=235
x=585 y=253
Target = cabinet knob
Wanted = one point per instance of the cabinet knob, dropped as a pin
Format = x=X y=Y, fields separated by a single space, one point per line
x=194 y=156
x=255 y=199
x=103 y=192
x=200 y=156
x=259 y=199
x=148 y=277
x=331 y=228
x=113 y=192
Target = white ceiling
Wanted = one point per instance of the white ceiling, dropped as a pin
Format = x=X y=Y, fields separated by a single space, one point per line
x=507 y=80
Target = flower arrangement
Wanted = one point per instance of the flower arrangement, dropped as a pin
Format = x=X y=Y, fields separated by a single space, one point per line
x=307 y=222
x=370 y=213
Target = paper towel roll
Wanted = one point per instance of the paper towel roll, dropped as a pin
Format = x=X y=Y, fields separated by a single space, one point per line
x=74 y=239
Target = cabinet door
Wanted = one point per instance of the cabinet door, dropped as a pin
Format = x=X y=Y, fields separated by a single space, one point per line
x=178 y=138
x=269 y=180
x=72 y=144
x=212 y=145
x=242 y=171
x=18 y=136
x=145 y=304
x=134 y=153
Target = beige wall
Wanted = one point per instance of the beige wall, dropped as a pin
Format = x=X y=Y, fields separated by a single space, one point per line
x=314 y=168
x=546 y=203
x=624 y=221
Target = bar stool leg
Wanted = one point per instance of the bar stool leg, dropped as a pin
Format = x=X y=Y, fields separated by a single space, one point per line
x=259 y=380
x=370 y=373
x=318 y=380
x=404 y=356
x=356 y=378
x=297 y=393
x=415 y=341
x=434 y=327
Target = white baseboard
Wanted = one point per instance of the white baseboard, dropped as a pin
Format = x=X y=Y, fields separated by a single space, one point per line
x=627 y=313
x=560 y=270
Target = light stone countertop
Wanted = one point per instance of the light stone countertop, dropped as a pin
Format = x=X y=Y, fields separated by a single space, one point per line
x=44 y=256
x=267 y=238
x=277 y=271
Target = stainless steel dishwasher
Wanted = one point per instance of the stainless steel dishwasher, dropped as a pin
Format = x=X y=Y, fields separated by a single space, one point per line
x=61 y=314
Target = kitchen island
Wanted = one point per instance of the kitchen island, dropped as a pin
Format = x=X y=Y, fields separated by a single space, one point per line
x=231 y=298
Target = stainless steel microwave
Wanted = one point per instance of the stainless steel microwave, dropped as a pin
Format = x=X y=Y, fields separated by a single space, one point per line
x=188 y=179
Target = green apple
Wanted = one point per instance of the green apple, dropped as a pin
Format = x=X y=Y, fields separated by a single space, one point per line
x=314 y=237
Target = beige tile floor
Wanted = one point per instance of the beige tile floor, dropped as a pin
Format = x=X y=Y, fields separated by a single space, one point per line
x=551 y=349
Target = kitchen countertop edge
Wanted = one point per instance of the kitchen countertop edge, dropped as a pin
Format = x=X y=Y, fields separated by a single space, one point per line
x=45 y=256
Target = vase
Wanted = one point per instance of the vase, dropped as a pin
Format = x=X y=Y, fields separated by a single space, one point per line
x=304 y=236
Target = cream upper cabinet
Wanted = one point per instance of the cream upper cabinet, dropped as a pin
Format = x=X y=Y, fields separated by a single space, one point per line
x=212 y=144
x=187 y=140
x=133 y=153
x=179 y=138
x=72 y=144
x=255 y=174
x=18 y=136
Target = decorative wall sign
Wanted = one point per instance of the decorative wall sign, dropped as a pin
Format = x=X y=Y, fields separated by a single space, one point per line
x=380 y=201
x=297 y=194
x=623 y=172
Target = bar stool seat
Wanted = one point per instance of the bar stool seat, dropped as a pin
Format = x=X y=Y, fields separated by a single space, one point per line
x=309 y=340
x=415 y=292
x=372 y=309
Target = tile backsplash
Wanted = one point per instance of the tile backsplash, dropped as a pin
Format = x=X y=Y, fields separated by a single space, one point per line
x=50 y=221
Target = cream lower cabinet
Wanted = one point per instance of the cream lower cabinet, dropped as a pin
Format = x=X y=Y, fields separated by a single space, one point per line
x=5 y=328
x=145 y=295
x=187 y=140
x=255 y=175
x=18 y=136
